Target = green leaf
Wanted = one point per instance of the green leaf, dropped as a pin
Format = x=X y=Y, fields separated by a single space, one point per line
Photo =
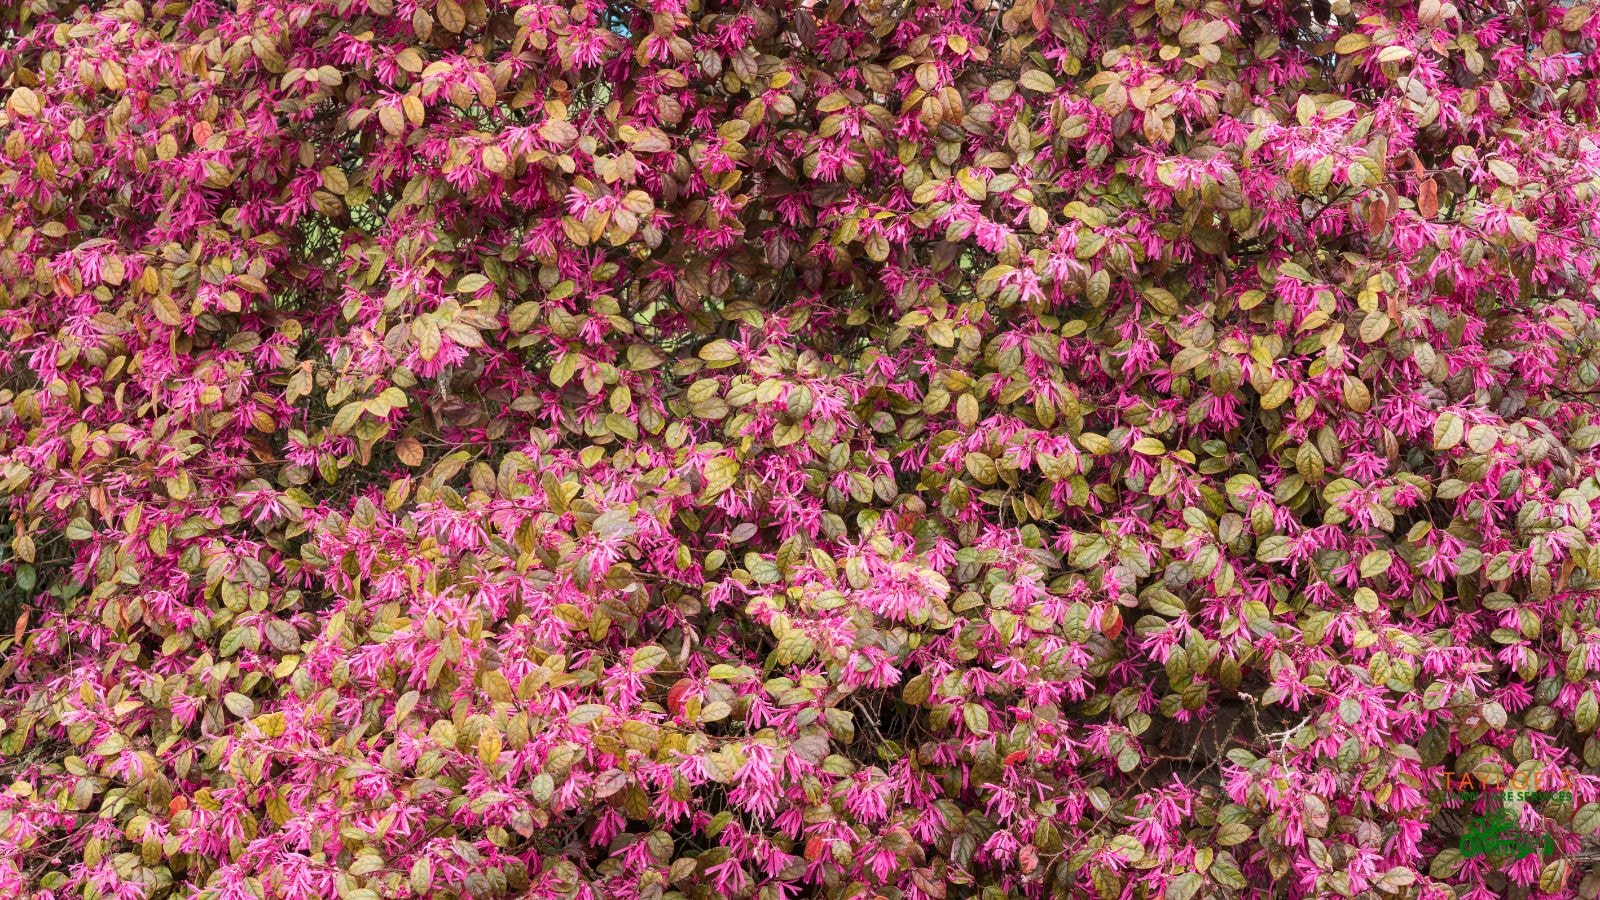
x=1586 y=820
x=1184 y=886
x=1555 y=875
x=346 y=418
x=1225 y=872
x=1233 y=833
x=794 y=649
x=1446 y=864
x=648 y=658
x=719 y=473
x=1273 y=548
x=719 y=354
x=1376 y=563
x=917 y=690
x=523 y=316
x=1585 y=438
x=239 y=705
x=564 y=369
x=1296 y=271
x=394 y=398
x=976 y=718
x=1436 y=695
x=1127 y=760
x=1396 y=878
x=271 y=725
x=1036 y=80
x=1448 y=430
x=235 y=640
x=1587 y=713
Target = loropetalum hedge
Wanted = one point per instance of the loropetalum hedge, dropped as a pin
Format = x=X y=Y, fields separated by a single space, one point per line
x=874 y=448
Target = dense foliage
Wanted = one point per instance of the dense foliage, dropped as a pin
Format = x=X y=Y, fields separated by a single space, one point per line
x=900 y=448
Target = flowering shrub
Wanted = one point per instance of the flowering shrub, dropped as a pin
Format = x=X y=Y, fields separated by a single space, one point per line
x=900 y=448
